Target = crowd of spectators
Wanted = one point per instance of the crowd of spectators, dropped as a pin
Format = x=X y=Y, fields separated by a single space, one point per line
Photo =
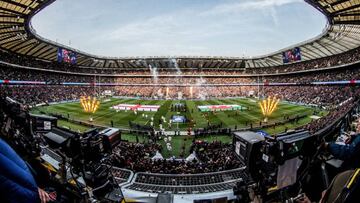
x=336 y=112
x=316 y=95
x=326 y=62
x=216 y=154
x=33 y=95
x=142 y=68
x=324 y=95
x=12 y=73
x=211 y=157
x=182 y=87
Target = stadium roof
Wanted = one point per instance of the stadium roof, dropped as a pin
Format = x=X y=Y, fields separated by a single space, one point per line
x=340 y=35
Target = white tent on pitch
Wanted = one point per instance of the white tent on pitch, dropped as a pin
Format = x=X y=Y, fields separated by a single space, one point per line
x=191 y=157
x=157 y=156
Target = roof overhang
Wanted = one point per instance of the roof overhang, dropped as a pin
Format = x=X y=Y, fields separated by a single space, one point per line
x=341 y=34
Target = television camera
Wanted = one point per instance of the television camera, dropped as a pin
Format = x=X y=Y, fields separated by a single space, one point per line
x=83 y=161
x=275 y=165
x=76 y=162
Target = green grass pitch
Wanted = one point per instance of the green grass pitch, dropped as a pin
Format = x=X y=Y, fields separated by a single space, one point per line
x=229 y=119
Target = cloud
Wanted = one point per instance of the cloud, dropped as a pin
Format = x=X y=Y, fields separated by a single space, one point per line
x=234 y=7
x=228 y=27
x=274 y=16
x=183 y=27
x=171 y=34
x=152 y=27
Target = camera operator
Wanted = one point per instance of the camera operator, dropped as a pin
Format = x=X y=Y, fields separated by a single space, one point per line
x=349 y=152
x=17 y=184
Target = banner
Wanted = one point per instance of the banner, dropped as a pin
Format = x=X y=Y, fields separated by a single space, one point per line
x=220 y=108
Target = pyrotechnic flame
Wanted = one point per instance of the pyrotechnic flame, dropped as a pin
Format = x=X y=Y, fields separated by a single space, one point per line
x=268 y=106
x=89 y=105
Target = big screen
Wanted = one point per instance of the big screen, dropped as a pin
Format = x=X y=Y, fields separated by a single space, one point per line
x=292 y=55
x=66 y=56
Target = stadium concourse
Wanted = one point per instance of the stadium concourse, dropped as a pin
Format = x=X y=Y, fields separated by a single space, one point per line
x=206 y=158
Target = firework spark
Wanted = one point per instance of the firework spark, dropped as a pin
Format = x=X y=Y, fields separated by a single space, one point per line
x=89 y=104
x=268 y=106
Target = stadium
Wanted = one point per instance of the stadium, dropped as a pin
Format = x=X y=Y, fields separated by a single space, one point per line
x=81 y=127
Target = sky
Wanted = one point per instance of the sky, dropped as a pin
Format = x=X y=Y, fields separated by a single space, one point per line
x=120 y=28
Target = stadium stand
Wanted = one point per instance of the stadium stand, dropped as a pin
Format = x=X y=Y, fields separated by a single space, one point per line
x=212 y=157
x=327 y=77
